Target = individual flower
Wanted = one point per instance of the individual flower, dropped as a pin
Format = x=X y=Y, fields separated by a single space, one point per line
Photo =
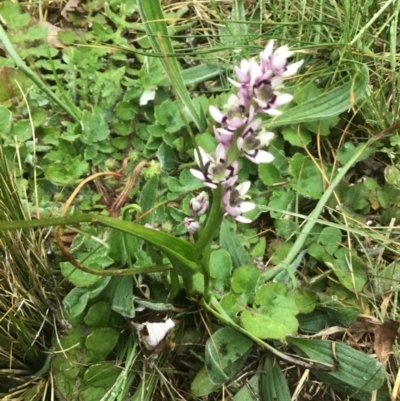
x=250 y=142
x=191 y=225
x=235 y=114
x=276 y=61
x=199 y=205
x=235 y=204
x=267 y=98
x=225 y=134
x=215 y=169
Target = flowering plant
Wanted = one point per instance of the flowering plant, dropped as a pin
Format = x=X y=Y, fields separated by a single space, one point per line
x=238 y=130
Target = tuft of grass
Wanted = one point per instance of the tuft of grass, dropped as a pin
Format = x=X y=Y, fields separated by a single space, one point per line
x=29 y=297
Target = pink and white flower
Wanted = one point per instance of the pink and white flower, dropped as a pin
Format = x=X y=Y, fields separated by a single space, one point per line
x=215 y=169
x=199 y=205
x=192 y=226
x=235 y=203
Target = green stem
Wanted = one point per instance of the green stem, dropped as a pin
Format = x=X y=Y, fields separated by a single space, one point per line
x=212 y=224
x=30 y=74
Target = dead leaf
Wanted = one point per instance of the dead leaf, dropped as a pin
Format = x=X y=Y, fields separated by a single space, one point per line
x=385 y=336
x=52 y=35
x=72 y=5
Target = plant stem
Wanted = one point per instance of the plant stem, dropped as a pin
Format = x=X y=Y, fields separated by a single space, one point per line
x=212 y=224
x=30 y=74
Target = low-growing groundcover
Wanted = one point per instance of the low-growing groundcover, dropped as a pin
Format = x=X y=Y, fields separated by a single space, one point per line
x=199 y=200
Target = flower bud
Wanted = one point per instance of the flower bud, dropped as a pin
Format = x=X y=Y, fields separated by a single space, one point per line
x=199 y=205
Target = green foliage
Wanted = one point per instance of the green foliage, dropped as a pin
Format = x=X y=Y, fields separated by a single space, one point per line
x=125 y=90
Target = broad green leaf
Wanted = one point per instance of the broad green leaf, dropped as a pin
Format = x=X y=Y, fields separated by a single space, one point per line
x=231 y=242
x=76 y=300
x=273 y=385
x=148 y=197
x=281 y=200
x=5 y=121
x=231 y=306
x=157 y=32
x=167 y=115
x=326 y=105
x=269 y=174
x=354 y=367
x=98 y=314
x=220 y=269
x=273 y=314
x=249 y=392
x=122 y=298
x=307 y=179
x=298 y=136
x=80 y=278
x=102 y=375
x=330 y=238
x=225 y=354
x=243 y=283
x=94 y=129
x=100 y=343
x=305 y=301
x=202 y=384
x=350 y=270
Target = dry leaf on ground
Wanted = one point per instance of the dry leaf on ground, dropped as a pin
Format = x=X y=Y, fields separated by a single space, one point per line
x=385 y=336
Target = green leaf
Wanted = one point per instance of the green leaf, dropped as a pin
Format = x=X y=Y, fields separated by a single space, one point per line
x=122 y=298
x=220 y=269
x=157 y=32
x=225 y=354
x=243 y=283
x=103 y=374
x=307 y=178
x=273 y=385
x=354 y=367
x=98 y=314
x=326 y=105
x=202 y=384
x=273 y=314
x=269 y=174
x=5 y=120
x=297 y=136
x=100 y=343
x=21 y=130
x=80 y=278
x=148 y=197
x=94 y=129
x=12 y=16
x=167 y=114
x=330 y=238
x=280 y=200
x=176 y=249
x=230 y=241
x=76 y=300
x=350 y=270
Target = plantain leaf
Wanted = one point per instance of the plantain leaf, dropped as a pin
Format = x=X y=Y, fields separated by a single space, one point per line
x=355 y=369
x=273 y=385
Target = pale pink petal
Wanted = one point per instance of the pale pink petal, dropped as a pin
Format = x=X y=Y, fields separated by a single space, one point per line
x=247 y=206
x=244 y=187
x=292 y=69
x=198 y=174
x=244 y=220
x=216 y=114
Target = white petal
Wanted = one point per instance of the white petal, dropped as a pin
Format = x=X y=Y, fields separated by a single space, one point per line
x=247 y=206
x=272 y=112
x=262 y=157
x=198 y=174
x=216 y=113
x=283 y=98
x=291 y=69
x=201 y=153
x=244 y=187
x=265 y=137
x=244 y=220
x=220 y=152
